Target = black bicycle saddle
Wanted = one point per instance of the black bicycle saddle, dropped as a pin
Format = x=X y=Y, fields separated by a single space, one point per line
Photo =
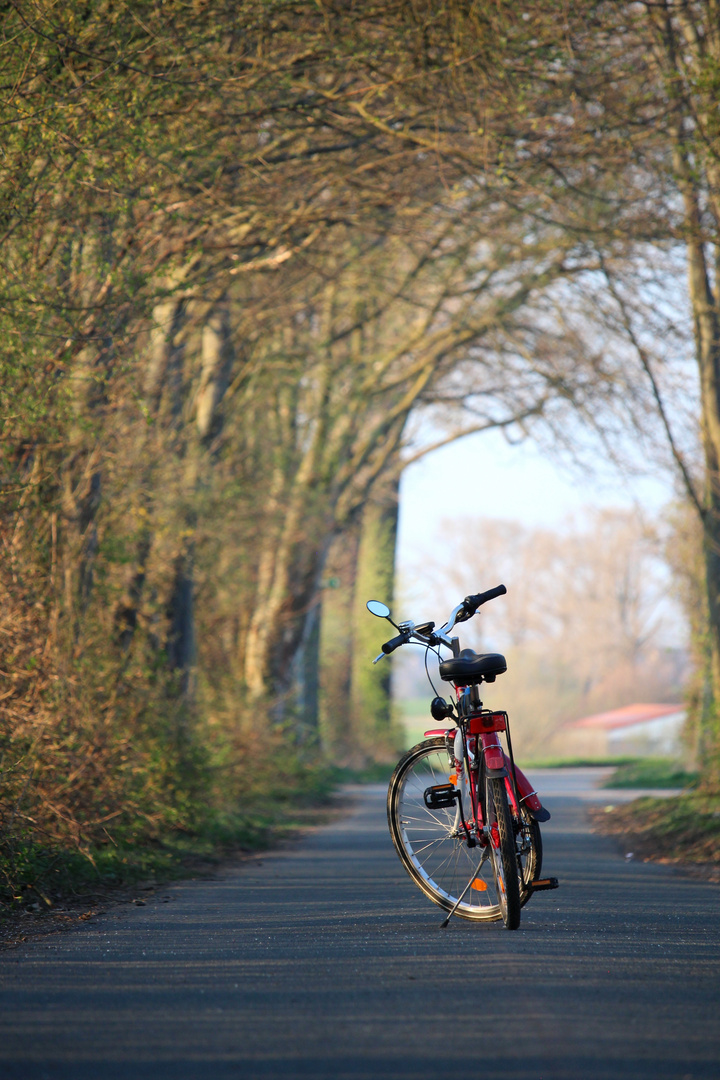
x=471 y=667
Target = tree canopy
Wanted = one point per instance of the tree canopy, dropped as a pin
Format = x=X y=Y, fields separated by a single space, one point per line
x=247 y=249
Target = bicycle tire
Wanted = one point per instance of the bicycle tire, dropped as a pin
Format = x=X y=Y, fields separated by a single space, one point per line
x=503 y=851
x=431 y=846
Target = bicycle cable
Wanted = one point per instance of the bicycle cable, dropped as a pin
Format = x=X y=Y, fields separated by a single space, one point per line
x=429 y=648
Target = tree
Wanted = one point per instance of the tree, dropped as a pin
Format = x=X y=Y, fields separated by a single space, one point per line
x=400 y=326
x=246 y=251
x=609 y=130
x=157 y=156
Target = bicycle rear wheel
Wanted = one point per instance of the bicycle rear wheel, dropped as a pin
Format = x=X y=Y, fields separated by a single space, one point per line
x=504 y=851
x=432 y=844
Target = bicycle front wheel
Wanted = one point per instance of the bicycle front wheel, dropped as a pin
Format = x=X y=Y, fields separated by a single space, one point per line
x=432 y=844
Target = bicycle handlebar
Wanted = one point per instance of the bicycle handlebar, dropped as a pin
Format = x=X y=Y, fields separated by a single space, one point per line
x=425 y=633
x=472 y=603
x=394 y=643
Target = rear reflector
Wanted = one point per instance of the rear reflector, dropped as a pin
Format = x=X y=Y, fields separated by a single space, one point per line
x=487 y=721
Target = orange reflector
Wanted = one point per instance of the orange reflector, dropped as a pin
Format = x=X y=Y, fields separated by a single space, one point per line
x=479 y=885
x=452 y=778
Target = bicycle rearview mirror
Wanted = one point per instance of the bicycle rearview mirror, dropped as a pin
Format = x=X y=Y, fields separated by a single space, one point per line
x=376 y=607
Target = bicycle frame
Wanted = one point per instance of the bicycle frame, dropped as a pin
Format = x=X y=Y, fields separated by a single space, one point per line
x=528 y=794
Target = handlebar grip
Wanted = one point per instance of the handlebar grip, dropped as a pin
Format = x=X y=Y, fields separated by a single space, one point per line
x=393 y=643
x=472 y=603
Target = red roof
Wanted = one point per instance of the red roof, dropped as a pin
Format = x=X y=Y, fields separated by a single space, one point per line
x=627 y=716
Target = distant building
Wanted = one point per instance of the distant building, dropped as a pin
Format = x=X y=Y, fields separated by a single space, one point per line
x=633 y=731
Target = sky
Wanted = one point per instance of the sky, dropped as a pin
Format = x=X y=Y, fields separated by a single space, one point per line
x=483 y=475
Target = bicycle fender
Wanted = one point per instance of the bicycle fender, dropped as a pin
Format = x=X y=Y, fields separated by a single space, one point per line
x=528 y=795
x=495 y=761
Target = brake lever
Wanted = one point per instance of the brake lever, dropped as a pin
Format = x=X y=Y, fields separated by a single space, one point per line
x=378 y=658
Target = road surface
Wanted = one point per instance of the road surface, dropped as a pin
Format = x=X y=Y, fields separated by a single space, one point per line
x=324 y=961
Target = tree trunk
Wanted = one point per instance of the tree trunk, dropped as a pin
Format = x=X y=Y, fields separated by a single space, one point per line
x=375 y=734
x=689 y=54
x=336 y=645
x=210 y=358
x=307 y=676
x=707 y=335
x=181 y=621
x=293 y=557
x=705 y=306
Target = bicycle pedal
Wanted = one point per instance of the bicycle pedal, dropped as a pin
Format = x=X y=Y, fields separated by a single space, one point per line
x=543 y=884
x=440 y=796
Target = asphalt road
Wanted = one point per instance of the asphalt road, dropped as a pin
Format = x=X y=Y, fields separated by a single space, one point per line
x=324 y=961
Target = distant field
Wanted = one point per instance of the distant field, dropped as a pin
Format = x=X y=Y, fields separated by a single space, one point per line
x=631 y=771
x=416 y=719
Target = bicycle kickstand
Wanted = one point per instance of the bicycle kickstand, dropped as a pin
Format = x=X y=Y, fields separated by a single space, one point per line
x=461 y=897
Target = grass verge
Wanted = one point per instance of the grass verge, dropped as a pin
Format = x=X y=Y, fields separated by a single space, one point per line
x=374 y=773
x=56 y=886
x=684 y=830
x=579 y=762
x=651 y=773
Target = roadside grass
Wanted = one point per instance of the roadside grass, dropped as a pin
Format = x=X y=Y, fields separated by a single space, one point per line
x=684 y=830
x=37 y=877
x=35 y=874
x=651 y=773
x=577 y=762
x=375 y=773
x=630 y=772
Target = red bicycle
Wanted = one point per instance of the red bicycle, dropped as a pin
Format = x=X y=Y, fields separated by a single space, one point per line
x=463 y=817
